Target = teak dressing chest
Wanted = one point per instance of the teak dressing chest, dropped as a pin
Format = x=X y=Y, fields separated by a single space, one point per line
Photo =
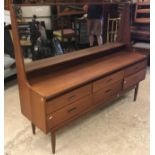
x=56 y=91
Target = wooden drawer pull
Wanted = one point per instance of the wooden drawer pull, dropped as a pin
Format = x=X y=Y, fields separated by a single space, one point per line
x=50 y=117
x=71 y=110
x=109 y=90
x=72 y=97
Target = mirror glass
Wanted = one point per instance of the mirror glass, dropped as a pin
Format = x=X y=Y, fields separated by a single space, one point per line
x=54 y=30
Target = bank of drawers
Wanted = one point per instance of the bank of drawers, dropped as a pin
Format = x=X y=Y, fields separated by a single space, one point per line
x=106 y=93
x=64 y=100
x=106 y=81
x=133 y=79
x=135 y=68
x=69 y=111
x=107 y=87
x=134 y=74
x=68 y=105
x=72 y=104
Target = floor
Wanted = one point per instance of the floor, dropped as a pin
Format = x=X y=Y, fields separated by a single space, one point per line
x=120 y=129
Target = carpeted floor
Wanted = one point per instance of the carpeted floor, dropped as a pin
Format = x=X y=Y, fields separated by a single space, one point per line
x=120 y=129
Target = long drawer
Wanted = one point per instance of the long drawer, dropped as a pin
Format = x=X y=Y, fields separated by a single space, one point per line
x=106 y=81
x=69 y=111
x=107 y=92
x=59 y=102
x=135 y=68
x=134 y=79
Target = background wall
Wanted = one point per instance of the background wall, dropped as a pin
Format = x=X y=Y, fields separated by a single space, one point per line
x=7 y=19
x=42 y=12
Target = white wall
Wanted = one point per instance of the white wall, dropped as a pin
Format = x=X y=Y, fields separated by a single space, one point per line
x=7 y=19
x=40 y=11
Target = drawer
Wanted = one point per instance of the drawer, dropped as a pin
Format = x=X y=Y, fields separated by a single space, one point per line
x=99 y=84
x=61 y=101
x=107 y=92
x=134 y=79
x=69 y=111
x=135 y=68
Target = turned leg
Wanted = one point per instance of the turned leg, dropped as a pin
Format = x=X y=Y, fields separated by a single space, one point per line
x=33 y=128
x=136 y=92
x=53 y=141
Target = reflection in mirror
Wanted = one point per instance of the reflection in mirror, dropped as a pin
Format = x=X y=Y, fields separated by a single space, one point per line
x=52 y=30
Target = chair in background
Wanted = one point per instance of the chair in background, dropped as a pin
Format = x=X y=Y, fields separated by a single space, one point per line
x=65 y=32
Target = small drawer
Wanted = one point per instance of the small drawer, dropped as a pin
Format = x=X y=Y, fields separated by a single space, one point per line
x=107 y=92
x=104 y=82
x=69 y=111
x=134 y=79
x=61 y=101
x=135 y=68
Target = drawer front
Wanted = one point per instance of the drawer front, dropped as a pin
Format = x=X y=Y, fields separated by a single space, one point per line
x=107 y=93
x=69 y=111
x=135 y=68
x=59 y=102
x=134 y=79
x=107 y=80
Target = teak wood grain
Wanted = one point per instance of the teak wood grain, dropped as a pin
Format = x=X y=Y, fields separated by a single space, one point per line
x=107 y=92
x=135 y=68
x=44 y=63
x=106 y=81
x=60 y=82
x=134 y=79
x=66 y=99
x=69 y=111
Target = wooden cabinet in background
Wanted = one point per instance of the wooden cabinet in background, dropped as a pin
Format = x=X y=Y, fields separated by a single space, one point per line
x=7 y=4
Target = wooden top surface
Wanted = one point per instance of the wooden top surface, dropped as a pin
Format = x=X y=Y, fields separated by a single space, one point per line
x=39 y=64
x=61 y=81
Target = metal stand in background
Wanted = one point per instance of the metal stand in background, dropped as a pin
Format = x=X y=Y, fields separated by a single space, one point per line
x=112 y=29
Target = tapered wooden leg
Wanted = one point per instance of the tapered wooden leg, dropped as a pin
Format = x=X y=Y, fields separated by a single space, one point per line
x=33 y=128
x=53 y=141
x=136 y=92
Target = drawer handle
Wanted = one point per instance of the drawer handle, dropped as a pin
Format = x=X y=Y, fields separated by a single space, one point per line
x=72 y=97
x=50 y=117
x=109 y=90
x=125 y=82
x=71 y=110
